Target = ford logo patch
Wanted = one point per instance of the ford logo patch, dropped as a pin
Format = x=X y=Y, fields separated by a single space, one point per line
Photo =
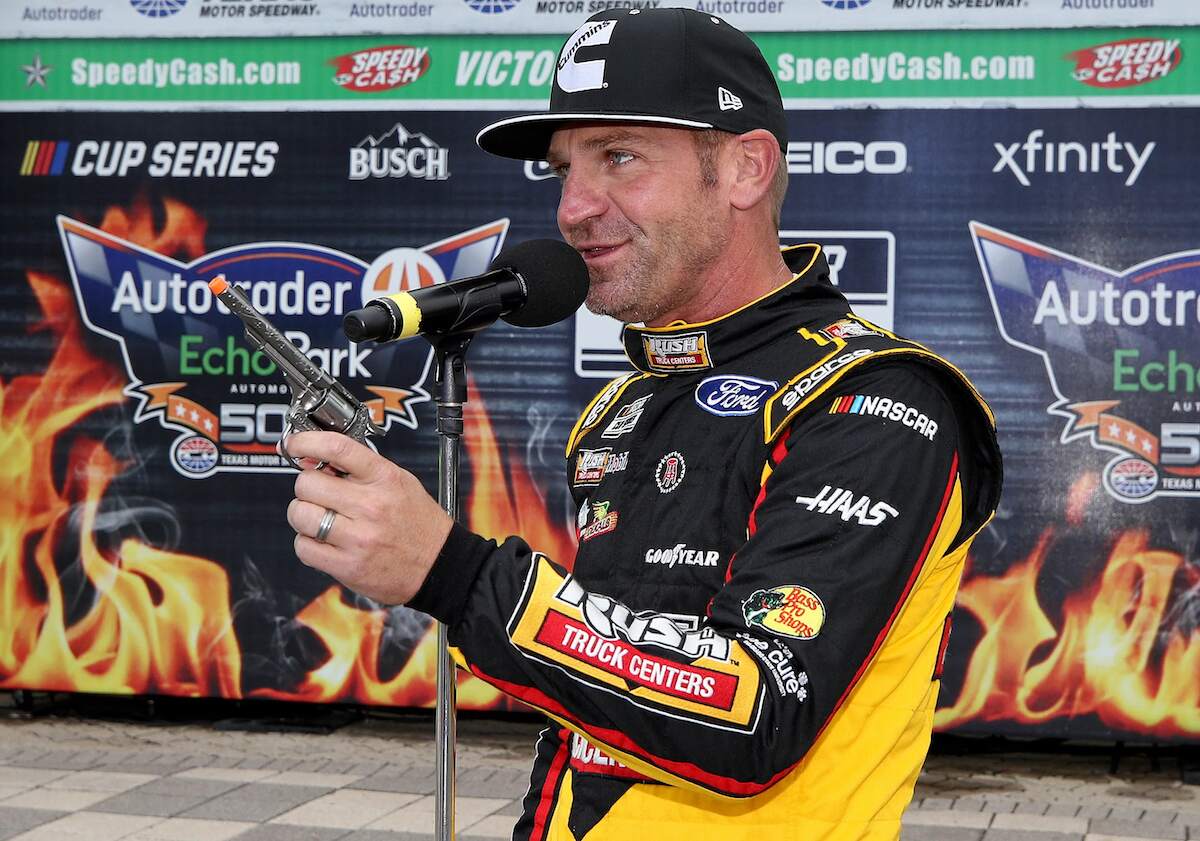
x=732 y=395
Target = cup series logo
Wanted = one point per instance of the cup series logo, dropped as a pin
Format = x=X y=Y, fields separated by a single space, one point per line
x=1120 y=354
x=380 y=68
x=186 y=357
x=788 y=611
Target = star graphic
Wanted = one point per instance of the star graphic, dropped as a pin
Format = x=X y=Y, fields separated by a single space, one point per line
x=1147 y=447
x=208 y=424
x=1130 y=437
x=36 y=73
x=180 y=410
x=195 y=416
x=1114 y=429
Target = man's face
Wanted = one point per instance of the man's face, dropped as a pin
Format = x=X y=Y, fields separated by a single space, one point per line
x=635 y=206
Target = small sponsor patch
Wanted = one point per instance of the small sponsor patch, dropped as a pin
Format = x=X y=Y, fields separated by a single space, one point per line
x=196 y=455
x=799 y=389
x=733 y=395
x=603 y=521
x=788 y=611
x=589 y=465
x=593 y=465
x=670 y=472
x=778 y=660
x=1132 y=478
x=848 y=328
x=626 y=418
x=886 y=408
x=681 y=352
x=683 y=556
x=586 y=758
x=848 y=505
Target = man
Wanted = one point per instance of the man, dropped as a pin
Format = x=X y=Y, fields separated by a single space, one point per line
x=774 y=510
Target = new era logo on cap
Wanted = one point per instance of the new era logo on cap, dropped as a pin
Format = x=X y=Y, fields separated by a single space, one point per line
x=727 y=100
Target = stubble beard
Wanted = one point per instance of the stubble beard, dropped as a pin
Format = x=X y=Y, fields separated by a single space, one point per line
x=656 y=277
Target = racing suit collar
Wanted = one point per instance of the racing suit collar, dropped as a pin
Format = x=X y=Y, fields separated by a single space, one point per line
x=681 y=348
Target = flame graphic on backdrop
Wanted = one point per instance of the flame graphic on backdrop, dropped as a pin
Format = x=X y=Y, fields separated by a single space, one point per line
x=160 y=621
x=1102 y=660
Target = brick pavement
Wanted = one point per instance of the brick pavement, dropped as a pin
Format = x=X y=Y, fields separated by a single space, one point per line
x=64 y=778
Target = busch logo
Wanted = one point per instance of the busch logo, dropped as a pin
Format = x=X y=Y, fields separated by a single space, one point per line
x=399 y=153
x=613 y=620
x=731 y=395
x=848 y=505
x=1108 y=155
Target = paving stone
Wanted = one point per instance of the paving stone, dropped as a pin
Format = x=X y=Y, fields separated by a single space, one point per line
x=89 y=826
x=1029 y=835
x=968 y=804
x=382 y=835
x=363 y=769
x=310 y=765
x=1137 y=829
x=279 y=832
x=55 y=800
x=255 y=802
x=401 y=784
x=1094 y=810
x=348 y=809
x=14 y=821
x=1126 y=813
x=491 y=827
x=253 y=762
x=189 y=829
x=970 y=820
x=513 y=809
x=1032 y=807
x=110 y=781
x=1042 y=823
x=137 y=802
x=937 y=803
x=939 y=833
x=1000 y=806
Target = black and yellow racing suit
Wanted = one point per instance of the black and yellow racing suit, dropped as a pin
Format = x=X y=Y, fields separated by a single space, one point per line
x=774 y=515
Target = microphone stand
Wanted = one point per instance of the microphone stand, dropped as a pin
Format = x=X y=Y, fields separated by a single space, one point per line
x=450 y=352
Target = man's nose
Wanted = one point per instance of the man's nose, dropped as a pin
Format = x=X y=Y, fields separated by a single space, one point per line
x=581 y=200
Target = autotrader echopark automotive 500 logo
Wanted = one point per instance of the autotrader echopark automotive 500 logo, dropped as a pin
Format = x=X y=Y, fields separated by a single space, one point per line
x=1120 y=351
x=186 y=357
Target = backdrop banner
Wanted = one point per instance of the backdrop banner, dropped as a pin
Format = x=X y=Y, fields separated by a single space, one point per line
x=1051 y=252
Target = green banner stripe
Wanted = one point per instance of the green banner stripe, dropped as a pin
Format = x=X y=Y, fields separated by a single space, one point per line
x=852 y=65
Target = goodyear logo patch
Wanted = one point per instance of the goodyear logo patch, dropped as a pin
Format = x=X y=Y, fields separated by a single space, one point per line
x=787 y=611
x=681 y=352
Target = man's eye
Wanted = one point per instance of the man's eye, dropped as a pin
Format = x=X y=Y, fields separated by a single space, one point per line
x=560 y=170
x=619 y=157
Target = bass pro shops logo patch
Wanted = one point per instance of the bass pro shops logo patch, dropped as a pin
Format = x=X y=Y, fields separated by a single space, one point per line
x=787 y=611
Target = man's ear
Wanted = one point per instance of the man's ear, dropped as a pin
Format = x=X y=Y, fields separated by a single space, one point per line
x=757 y=156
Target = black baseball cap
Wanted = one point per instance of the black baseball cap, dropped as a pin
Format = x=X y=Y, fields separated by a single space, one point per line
x=675 y=67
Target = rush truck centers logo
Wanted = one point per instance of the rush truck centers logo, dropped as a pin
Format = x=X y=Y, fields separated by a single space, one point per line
x=189 y=365
x=1120 y=354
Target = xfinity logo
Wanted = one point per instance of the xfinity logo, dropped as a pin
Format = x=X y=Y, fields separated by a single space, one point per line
x=574 y=76
x=1035 y=156
x=847 y=157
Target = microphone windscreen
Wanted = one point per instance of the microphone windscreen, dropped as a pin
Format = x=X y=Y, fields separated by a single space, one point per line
x=556 y=280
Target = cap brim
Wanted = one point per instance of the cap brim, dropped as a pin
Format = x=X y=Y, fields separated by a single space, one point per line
x=527 y=138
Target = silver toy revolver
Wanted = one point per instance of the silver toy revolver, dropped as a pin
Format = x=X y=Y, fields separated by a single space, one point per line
x=318 y=400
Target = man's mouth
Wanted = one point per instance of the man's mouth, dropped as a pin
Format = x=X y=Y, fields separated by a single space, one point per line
x=594 y=252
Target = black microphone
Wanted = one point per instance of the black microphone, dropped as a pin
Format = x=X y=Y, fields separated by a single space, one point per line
x=532 y=284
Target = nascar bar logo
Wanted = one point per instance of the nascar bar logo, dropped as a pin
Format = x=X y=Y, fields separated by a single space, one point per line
x=187 y=360
x=1123 y=64
x=380 y=68
x=1120 y=353
x=399 y=153
x=45 y=157
x=682 y=352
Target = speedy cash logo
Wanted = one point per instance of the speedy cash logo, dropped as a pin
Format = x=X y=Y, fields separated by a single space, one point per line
x=1126 y=63
x=163 y=159
x=380 y=68
x=1120 y=354
x=186 y=357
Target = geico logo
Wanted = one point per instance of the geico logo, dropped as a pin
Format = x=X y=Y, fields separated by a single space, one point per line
x=610 y=618
x=683 y=344
x=420 y=162
x=185 y=159
x=847 y=157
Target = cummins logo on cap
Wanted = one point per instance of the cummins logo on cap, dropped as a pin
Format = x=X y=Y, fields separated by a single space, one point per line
x=575 y=76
